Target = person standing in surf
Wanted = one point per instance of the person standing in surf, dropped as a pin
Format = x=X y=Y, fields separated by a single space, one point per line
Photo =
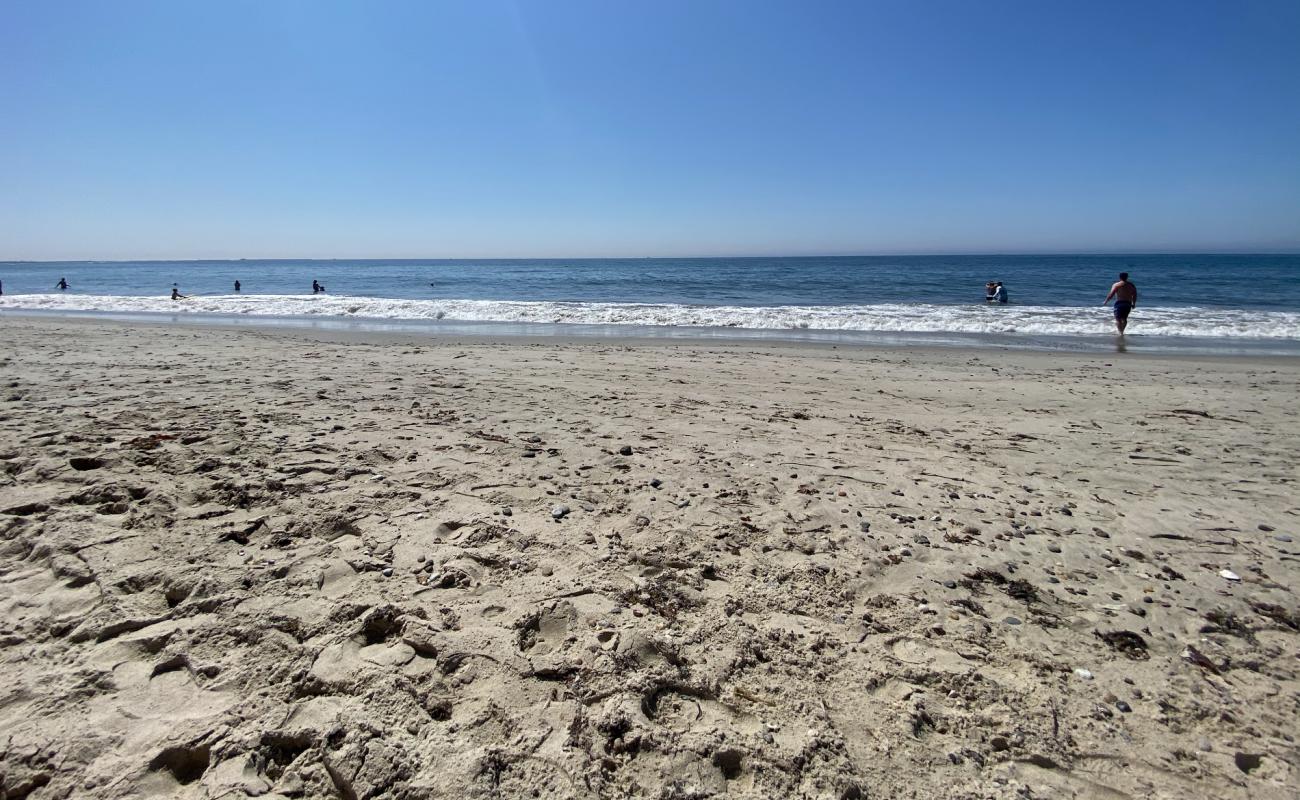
x=1126 y=296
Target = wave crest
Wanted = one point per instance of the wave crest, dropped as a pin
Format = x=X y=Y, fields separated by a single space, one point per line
x=891 y=317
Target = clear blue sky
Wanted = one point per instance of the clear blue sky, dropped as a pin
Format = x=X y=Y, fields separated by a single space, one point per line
x=257 y=128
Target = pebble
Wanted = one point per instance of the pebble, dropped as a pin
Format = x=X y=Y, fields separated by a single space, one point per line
x=559 y=512
x=625 y=450
x=950 y=584
x=1204 y=745
x=1266 y=528
x=1053 y=548
x=1083 y=673
x=1282 y=537
x=1229 y=575
x=656 y=483
x=864 y=526
x=1012 y=620
x=507 y=511
x=1123 y=706
x=388 y=572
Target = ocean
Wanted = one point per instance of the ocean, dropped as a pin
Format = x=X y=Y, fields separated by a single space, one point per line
x=1212 y=303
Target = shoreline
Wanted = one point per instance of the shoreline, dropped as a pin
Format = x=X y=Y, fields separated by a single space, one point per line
x=334 y=563
x=1134 y=344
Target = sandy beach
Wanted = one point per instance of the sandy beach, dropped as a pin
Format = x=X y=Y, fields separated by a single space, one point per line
x=295 y=564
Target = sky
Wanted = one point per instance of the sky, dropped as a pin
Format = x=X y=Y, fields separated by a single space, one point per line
x=563 y=128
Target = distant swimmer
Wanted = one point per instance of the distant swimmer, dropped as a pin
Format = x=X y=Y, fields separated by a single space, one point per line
x=990 y=292
x=1126 y=297
x=62 y=285
x=176 y=294
x=316 y=287
x=1000 y=293
x=236 y=286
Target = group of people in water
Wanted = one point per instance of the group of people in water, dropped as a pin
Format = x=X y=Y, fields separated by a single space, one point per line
x=316 y=288
x=1123 y=292
x=995 y=292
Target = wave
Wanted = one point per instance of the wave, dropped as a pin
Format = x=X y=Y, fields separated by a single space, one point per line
x=888 y=317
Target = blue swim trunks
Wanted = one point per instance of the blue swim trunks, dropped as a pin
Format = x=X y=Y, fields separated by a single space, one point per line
x=1122 y=307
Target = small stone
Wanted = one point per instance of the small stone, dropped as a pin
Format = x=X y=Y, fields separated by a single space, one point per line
x=950 y=584
x=1266 y=528
x=1282 y=537
x=1012 y=620
x=1123 y=706
x=559 y=512
x=547 y=569
x=656 y=483
x=1204 y=745
x=1228 y=574
x=864 y=526
x=507 y=511
x=999 y=744
x=1083 y=673
x=388 y=572
x=422 y=558
x=1053 y=548
x=625 y=450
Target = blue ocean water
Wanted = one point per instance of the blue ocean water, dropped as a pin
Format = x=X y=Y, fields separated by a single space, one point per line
x=1218 y=297
x=1222 y=281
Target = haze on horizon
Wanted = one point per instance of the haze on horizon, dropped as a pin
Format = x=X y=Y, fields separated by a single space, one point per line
x=277 y=129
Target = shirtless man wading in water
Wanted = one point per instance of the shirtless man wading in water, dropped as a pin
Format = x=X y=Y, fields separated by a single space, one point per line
x=1126 y=296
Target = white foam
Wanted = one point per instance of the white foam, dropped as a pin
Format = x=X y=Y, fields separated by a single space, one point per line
x=892 y=317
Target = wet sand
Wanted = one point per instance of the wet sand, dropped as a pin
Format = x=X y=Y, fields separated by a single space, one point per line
x=295 y=564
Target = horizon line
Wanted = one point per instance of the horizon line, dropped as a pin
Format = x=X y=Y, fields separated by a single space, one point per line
x=950 y=254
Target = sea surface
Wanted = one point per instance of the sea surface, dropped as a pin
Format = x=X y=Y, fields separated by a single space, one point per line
x=1220 y=303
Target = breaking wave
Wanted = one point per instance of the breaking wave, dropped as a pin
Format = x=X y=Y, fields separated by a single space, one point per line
x=895 y=317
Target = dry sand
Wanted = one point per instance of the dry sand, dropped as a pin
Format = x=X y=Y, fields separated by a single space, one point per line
x=296 y=565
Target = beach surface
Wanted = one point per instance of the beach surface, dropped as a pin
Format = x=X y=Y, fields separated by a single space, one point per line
x=297 y=564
